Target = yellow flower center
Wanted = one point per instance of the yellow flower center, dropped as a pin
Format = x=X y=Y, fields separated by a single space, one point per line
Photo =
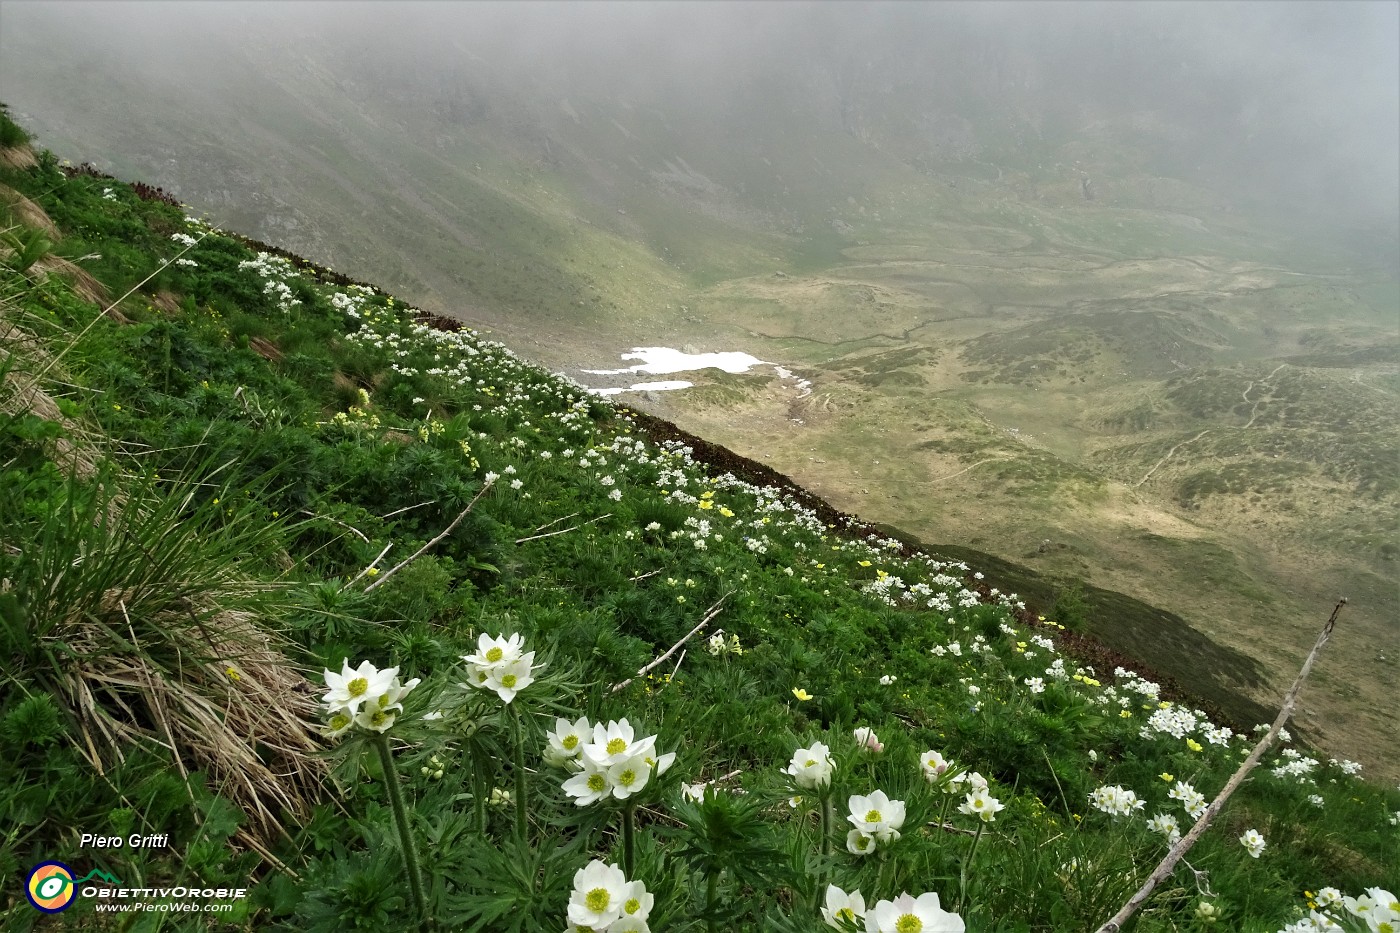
x=810 y=762
x=617 y=746
x=597 y=900
x=597 y=783
x=339 y=721
x=509 y=681
x=494 y=655
x=379 y=718
x=627 y=778
x=845 y=913
x=632 y=906
x=874 y=816
x=570 y=742
x=383 y=700
x=357 y=687
x=908 y=923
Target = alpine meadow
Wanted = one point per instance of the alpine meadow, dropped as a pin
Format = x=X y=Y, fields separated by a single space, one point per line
x=700 y=466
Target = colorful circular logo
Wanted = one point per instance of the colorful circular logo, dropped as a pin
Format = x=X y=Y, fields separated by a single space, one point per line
x=50 y=887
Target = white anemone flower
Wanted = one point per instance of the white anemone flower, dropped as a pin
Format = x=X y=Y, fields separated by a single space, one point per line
x=598 y=895
x=566 y=741
x=614 y=743
x=636 y=902
x=354 y=685
x=493 y=651
x=625 y=924
x=868 y=740
x=1253 y=842
x=877 y=815
x=339 y=724
x=934 y=765
x=510 y=678
x=858 y=843
x=662 y=764
x=375 y=718
x=811 y=767
x=906 y=914
x=629 y=776
x=979 y=803
x=589 y=785
x=842 y=907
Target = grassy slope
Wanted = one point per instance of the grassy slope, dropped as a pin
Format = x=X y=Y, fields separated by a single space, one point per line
x=1107 y=333
x=204 y=356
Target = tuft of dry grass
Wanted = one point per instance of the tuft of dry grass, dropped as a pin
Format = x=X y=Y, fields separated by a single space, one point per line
x=20 y=393
x=84 y=285
x=216 y=693
x=27 y=212
x=19 y=157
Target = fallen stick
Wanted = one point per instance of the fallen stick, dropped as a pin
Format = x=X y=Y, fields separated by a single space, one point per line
x=709 y=615
x=563 y=531
x=424 y=549
x=1178 y=851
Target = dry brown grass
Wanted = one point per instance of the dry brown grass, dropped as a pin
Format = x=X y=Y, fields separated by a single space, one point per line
x=28 y=213
x=20 y=157
x=20 y=392
x=232 y=706
x=166 y=301
x=84 y=285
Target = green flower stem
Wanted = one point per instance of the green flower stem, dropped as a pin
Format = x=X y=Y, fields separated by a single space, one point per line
x=967 y=862
x=410 y=851
x=825 y=840
x=521 y=820
x=711 y=895
x=629 y=840
x=947 y=802
x=479 y=793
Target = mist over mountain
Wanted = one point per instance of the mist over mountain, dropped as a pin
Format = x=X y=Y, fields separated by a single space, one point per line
x=1108 y=290
x=1286 y=109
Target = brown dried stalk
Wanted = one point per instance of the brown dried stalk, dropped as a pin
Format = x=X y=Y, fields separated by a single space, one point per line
x=1178 y=851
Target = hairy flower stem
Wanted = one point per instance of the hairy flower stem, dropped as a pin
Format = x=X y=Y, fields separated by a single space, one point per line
x=479 y=793
x=947 y=802
x=967 y=862
x=629 y=840
x=825 y=847
x=410 y=851
x=521 y=820
x=711 y=896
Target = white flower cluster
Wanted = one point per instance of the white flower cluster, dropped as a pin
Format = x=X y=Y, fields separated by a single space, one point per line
x=1298 y=766
x=924 y=914
x=876 y=819
x=1192 y=800
x=1115 y=801
x=607 y=760
x=1378 y=909
x=810 y=768
x=363 y=696
x=604 y=901
x=500 y=666
x=275 y=272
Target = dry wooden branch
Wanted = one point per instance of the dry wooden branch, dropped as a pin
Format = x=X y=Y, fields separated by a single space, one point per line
x=335 y=521
x=425 y=548
x=563 y=531
x=371 y=564
x=709 y=617
x=563 y=518
x=1178 y=851
x=643 y=576
x=407 y=508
